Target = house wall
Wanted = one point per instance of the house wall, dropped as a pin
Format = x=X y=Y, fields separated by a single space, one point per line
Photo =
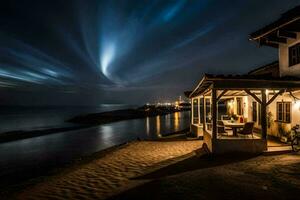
x=295 y=114
x=284 y=68
x=272 y=108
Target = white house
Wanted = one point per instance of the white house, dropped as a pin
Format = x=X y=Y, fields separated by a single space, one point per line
x=238 y=113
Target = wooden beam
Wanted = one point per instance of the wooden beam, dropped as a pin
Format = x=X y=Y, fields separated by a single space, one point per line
x=268 y=43
x=263 y=111
x=291 y=94
x=274 y=97
x=277 y=40
x=222 y=93
x=294 y=28
x=254 y=96
x=286 y=34
x=255 y=84
x=203 y=113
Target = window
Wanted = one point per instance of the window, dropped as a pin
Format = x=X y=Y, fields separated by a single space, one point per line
x=195 y=112
x=284 y=112
x=259 y=114
x=208 y=111
x=254 y=111
x=239 y=106
x=294 y=54
x=201 y=110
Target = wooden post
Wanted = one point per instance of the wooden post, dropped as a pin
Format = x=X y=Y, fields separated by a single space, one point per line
x=204 y=116
x=192 y=112
x=263 y=112
x=199 y=114
x=214 y=113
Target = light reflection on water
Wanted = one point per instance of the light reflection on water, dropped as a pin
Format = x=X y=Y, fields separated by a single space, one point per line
x=158 y=126
x=58 y=149
x=106 y=130
x=148 y=125
x=176 y=120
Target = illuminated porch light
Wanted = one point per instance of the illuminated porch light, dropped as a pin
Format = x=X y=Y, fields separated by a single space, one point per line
x=297 y=104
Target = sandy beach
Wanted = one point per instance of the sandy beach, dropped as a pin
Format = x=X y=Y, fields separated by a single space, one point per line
x=114 y=172
x=226 y=177
x=174 y=169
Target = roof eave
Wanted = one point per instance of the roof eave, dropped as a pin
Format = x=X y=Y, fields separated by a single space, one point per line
x=199 y=84
x=259 y=34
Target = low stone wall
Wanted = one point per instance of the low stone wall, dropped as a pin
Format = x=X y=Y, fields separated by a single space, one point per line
x=234 y=145
x=254 y=146
x=197 y=130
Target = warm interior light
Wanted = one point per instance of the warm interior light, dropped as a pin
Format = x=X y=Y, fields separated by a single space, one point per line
x=230 y=103
x=230 y=106
x=267 y=92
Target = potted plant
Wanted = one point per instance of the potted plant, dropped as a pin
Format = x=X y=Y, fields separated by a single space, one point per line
x=270 y=119
x=283 y=133
x=233 y=118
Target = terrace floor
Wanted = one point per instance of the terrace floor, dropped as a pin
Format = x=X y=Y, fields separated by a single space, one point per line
x=275 y=146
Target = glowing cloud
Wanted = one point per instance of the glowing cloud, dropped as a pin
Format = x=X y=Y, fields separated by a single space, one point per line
x=107 y=56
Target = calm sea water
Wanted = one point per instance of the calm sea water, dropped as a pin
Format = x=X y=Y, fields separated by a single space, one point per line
x=30 y=118
x=27 y=158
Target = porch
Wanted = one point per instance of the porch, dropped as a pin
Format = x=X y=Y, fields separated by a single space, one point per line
x=222 y=108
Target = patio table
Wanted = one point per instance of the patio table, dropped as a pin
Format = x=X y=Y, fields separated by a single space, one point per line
x=234 y=126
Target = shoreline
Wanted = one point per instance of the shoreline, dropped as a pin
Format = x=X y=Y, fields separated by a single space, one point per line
x=120 y=115
x=170 y=152
x=85 y=121
x=10 y=189
x=45 y=175
x=14 y=182
x=21 y=134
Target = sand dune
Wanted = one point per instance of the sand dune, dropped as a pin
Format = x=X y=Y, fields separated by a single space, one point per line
x=112 y=173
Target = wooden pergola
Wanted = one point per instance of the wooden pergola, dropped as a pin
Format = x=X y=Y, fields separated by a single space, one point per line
x=217 y=87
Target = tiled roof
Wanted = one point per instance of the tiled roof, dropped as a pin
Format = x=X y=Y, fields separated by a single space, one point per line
x=274 y=64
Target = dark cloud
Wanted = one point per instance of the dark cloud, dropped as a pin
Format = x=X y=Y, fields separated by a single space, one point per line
x=91 y=52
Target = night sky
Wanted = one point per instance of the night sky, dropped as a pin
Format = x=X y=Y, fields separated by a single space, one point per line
x=88 y=52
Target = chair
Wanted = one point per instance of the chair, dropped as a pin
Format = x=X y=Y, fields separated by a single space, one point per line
x=225 y=117
x=247 y=129
x=221 y=127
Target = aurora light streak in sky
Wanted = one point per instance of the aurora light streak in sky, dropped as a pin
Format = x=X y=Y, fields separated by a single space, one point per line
x=91 y=52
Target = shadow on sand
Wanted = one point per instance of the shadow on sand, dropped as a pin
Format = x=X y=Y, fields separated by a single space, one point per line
x=201 y=160
x=154 y=187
